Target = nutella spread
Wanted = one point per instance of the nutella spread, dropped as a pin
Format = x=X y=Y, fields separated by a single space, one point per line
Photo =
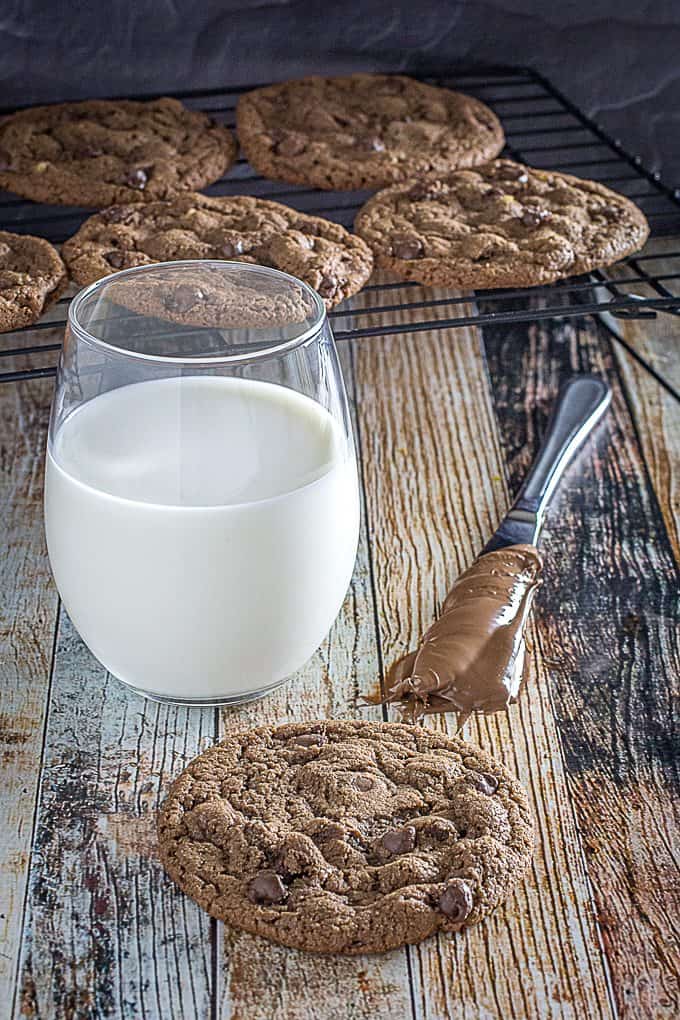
x=470 y=660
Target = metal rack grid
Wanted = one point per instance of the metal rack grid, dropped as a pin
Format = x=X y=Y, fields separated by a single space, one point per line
x=542 y=127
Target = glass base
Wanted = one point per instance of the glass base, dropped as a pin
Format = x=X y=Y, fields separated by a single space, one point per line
x=225 y=700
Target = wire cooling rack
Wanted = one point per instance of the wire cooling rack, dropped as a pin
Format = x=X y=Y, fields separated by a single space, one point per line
x=542 y=127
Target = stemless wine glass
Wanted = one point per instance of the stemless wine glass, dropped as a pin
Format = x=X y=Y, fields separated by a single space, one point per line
x=201 y=496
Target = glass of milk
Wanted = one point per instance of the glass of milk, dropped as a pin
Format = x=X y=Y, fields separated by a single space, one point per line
x=201 y=496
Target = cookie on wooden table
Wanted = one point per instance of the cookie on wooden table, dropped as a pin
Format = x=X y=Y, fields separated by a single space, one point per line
x=99 y=152
x=243 y=229
x=346 y=837
x=363 y=131
x=32 y=276
x=499 y=225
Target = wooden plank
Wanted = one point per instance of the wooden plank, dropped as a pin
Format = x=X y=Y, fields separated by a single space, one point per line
x=28 y=610
x=655 y=411
x=435 y=490
x=106 y=933
x=608 y=630
x=262 y=981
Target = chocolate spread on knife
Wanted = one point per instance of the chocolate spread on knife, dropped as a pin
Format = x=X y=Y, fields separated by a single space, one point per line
x=470 y=660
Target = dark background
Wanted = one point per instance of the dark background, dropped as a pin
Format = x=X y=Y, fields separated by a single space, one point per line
x=619 y=61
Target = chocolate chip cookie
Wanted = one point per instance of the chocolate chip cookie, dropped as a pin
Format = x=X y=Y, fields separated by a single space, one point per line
x=204 y=296
x=499 y=225
x=346 y=837
x=32 y=276
x=104 y=151
x=363 y=131
x=243 y=229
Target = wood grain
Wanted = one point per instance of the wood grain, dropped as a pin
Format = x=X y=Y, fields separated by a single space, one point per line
x=654 y=410
x=107 y=935
x=28 y=611
x=608 y=627
x=262 y=981
x=591 y=931
x=435 y=491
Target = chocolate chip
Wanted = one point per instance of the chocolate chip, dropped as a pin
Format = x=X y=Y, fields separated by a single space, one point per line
x=5 y=160
x=310 y=739
x=328 y=285
x=137 y=179
x=485 y=782
x=534 y=217
x=404 y=247
x=183 y=297
x=375 y=144
x=363 y=783
x=399 y=841
x=291 y=145
x=115 y=259
x=267 y=887
x=419 y=190
x=456 y=901
x=611 y=212
x=231 y=248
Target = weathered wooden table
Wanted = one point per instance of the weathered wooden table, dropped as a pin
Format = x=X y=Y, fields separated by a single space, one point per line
x=446 y=424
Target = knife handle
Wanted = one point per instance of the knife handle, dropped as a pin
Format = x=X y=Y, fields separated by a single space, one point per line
x=580 y=404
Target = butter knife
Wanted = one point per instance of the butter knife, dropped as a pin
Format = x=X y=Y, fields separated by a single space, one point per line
x=580 y=404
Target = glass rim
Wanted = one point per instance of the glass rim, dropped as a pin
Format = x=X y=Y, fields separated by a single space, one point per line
x=258 y=353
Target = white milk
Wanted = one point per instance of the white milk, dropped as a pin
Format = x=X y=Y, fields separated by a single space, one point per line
x=202 y=531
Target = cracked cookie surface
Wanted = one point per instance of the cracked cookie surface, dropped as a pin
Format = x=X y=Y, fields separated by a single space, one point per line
x=99 y=152
x=499 y=225
x=241 y=229
x=363 y=130
x=346 y=836
x=32 y=276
